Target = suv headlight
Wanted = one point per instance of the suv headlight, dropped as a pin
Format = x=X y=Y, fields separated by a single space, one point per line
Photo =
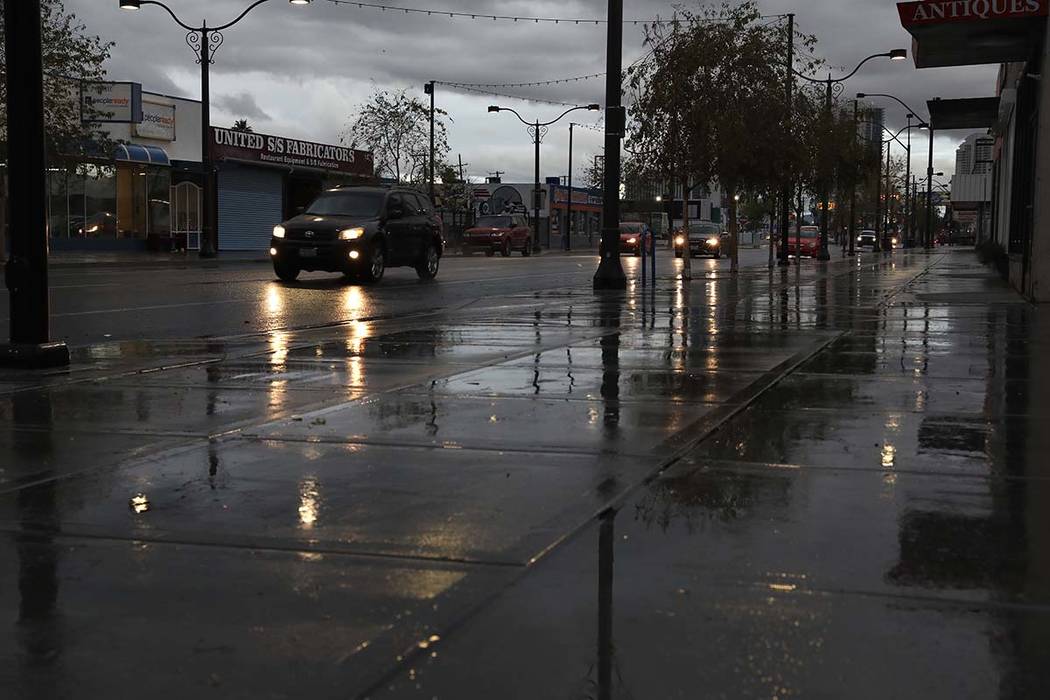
x=631 y=240
x=680 y=240
x=713 y=241
x=278 y=231
x=351 y=234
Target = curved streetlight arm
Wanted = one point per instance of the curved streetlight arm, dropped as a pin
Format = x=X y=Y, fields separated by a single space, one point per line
x=202 y=28
x=173 y=15
x=572 y=109
x=898 y=101
x=893 y=137
x=844 y=78
x=515 y=113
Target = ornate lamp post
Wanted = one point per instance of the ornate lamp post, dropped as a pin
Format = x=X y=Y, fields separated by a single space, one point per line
x=830 y=84
x=537 y=130
x=204 y=41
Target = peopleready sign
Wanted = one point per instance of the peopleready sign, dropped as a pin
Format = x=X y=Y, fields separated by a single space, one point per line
x=941 y=11
x=278 y=150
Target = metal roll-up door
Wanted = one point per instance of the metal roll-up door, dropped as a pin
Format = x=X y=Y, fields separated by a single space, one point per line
x=251 y=203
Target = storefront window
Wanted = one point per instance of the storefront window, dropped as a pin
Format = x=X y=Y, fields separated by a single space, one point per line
x=100 y=203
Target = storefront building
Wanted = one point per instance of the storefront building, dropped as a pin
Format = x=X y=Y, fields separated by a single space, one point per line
x=265 y=179
x=1011 y=33
x=123 y=200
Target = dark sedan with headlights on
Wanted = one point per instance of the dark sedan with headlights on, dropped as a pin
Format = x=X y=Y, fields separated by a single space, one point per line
x=360 y=231
x=631 y=235
x=704 y=239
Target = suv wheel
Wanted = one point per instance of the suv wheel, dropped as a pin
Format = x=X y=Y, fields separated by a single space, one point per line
x=376 y=264
x=285 y=272
x=427 y=268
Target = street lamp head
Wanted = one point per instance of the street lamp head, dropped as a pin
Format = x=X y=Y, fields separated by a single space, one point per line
x=594 y=107
x=300 y=2
x=493 y=108
x=898 y=54
x=861 y=95
x=129 y=4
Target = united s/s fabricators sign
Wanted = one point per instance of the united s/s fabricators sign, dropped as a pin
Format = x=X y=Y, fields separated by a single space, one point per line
x=279 y=150
x=941 y=11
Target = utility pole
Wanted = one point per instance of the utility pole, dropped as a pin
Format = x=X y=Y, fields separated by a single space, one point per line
x=26 y=270
x=785 y=193
x=429 y=89
x=568 y=202
x=909 y=232
x=887 y=243
x=852 y=229
x=878 y=202
x=609 y=274
x=929 y=191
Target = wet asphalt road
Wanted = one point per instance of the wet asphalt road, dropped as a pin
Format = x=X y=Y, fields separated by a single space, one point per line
x=828 y=481
x=94 y=304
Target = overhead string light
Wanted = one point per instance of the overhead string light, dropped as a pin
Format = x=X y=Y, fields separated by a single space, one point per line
x=508 y=18
x=535 y=83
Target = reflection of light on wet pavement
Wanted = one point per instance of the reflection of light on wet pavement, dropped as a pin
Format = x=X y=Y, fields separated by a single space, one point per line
x=889 y=456
x=309 y=502
x=278 y=347
x=274 y=300
x=139 y=503
x=354 y=301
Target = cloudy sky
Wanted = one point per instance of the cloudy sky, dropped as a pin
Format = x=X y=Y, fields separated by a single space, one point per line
x=301 y=70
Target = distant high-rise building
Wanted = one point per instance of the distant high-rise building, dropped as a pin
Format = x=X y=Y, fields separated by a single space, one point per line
x=870 y=127
x=974 y=155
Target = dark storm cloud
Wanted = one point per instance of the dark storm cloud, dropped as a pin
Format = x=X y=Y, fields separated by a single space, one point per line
x=305 y=67
x=243 y=104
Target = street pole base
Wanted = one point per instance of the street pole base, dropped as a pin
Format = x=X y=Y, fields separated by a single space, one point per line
x=34 y=355
x=610 y=273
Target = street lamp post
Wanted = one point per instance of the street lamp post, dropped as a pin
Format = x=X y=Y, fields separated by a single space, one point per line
x=204 y=41
x=928 y=242
x=829 y=83
x=26 y=270
x=609 y=274
x=538 y=130
x=568 y=199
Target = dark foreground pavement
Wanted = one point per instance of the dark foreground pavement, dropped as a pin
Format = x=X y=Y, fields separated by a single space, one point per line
x=828 y=481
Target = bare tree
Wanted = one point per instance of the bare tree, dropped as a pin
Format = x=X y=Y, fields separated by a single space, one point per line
x=396 y=128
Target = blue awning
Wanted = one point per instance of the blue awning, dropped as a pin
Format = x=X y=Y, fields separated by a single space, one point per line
x=137 y=153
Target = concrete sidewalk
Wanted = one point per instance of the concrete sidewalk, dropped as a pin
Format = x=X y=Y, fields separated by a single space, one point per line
x=816 y=481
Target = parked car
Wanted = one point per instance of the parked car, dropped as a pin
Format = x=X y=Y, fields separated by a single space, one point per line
x=866 y=239
x=704 y=239
x=631 y=233
x=360 y=231
x=805 y=242
x=502 y=233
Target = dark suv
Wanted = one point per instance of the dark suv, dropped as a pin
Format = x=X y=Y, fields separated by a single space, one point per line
x=360 y=231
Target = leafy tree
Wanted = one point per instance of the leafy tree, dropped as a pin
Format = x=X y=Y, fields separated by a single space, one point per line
x=594 y=172
x=242 y=125
x=70 y=56
x=396 y=128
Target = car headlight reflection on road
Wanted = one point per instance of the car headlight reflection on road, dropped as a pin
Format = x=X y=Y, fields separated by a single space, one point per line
x=680 y=240
x=278 y=231
x=351 y=234
x=713 y=241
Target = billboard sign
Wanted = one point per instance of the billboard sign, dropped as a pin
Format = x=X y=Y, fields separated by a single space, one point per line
x=158 y=121
x=108 y=102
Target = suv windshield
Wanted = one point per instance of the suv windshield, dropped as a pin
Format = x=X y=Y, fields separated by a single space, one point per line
x=494 y=222
x=630 y=227
x=696 y=230
x=347 y=203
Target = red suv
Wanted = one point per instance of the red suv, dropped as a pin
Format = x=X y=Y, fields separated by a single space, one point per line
x=503 y=233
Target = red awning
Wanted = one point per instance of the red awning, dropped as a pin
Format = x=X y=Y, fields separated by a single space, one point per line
x=973 y=32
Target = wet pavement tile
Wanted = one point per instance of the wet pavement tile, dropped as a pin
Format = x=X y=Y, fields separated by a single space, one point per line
x=102 y=618
x=32 y=455
x=155 y=410
x=606 y=425
x=423 y=502
x=638 y=612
